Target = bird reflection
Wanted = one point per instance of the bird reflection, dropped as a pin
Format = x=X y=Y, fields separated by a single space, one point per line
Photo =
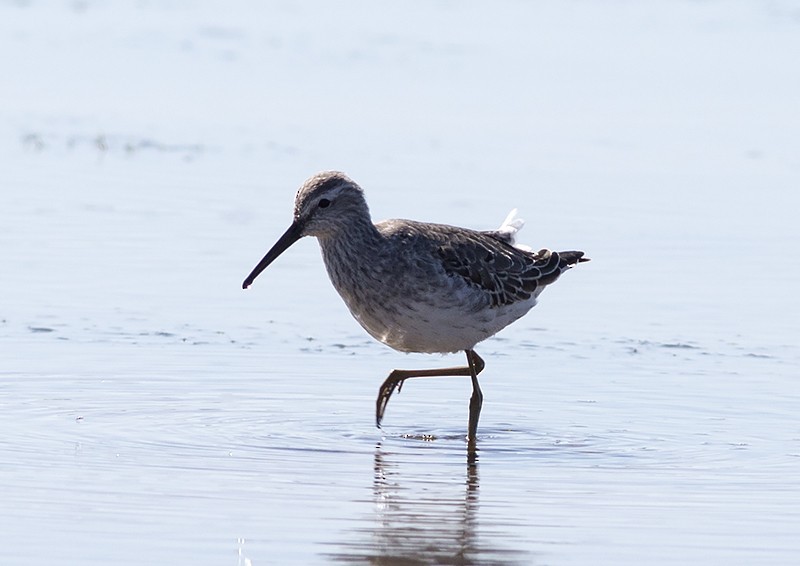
x=422 y=515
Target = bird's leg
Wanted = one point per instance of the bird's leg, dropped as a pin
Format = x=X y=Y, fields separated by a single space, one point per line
x=398 y=376
x=476 y=401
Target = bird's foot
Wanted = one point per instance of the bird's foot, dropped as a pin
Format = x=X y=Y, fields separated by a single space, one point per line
x=384 y=393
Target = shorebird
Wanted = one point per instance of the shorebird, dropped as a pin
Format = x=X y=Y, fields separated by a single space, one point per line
x=420 y=287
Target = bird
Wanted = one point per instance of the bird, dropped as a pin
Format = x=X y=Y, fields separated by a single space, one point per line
x=418 y=286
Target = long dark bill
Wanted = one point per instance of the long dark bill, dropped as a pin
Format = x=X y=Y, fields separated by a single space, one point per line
x=289 y=237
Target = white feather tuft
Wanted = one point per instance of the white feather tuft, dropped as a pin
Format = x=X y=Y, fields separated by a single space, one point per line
x=509 y=228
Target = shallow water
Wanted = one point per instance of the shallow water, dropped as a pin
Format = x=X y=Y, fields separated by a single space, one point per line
x=644 y=412
x=198 y=460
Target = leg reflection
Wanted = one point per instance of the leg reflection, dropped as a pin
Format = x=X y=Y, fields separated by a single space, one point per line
x=426 y=511
x=420 y=517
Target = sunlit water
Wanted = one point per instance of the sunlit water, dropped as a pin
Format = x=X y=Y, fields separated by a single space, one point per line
x=154 y=413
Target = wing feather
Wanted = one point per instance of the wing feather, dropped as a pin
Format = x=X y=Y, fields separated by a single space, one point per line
x=485 y=260
x=507 y=274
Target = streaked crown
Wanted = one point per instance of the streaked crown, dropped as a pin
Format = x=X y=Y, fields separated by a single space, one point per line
x=329 y=201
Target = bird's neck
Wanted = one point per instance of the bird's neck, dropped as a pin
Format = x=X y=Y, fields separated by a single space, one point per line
x=359 y=235
x=352 y=247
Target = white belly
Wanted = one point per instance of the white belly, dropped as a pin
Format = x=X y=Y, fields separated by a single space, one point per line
x=423 y=327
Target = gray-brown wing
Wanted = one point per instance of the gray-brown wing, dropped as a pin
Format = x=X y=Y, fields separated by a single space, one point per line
x=505 y=273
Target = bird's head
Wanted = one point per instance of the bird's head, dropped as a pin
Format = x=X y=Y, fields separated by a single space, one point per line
x=326 y=204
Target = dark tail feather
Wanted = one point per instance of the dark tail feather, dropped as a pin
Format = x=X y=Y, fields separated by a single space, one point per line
x=573 y=257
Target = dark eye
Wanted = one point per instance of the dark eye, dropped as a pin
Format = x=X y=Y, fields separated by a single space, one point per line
x=324 y=203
